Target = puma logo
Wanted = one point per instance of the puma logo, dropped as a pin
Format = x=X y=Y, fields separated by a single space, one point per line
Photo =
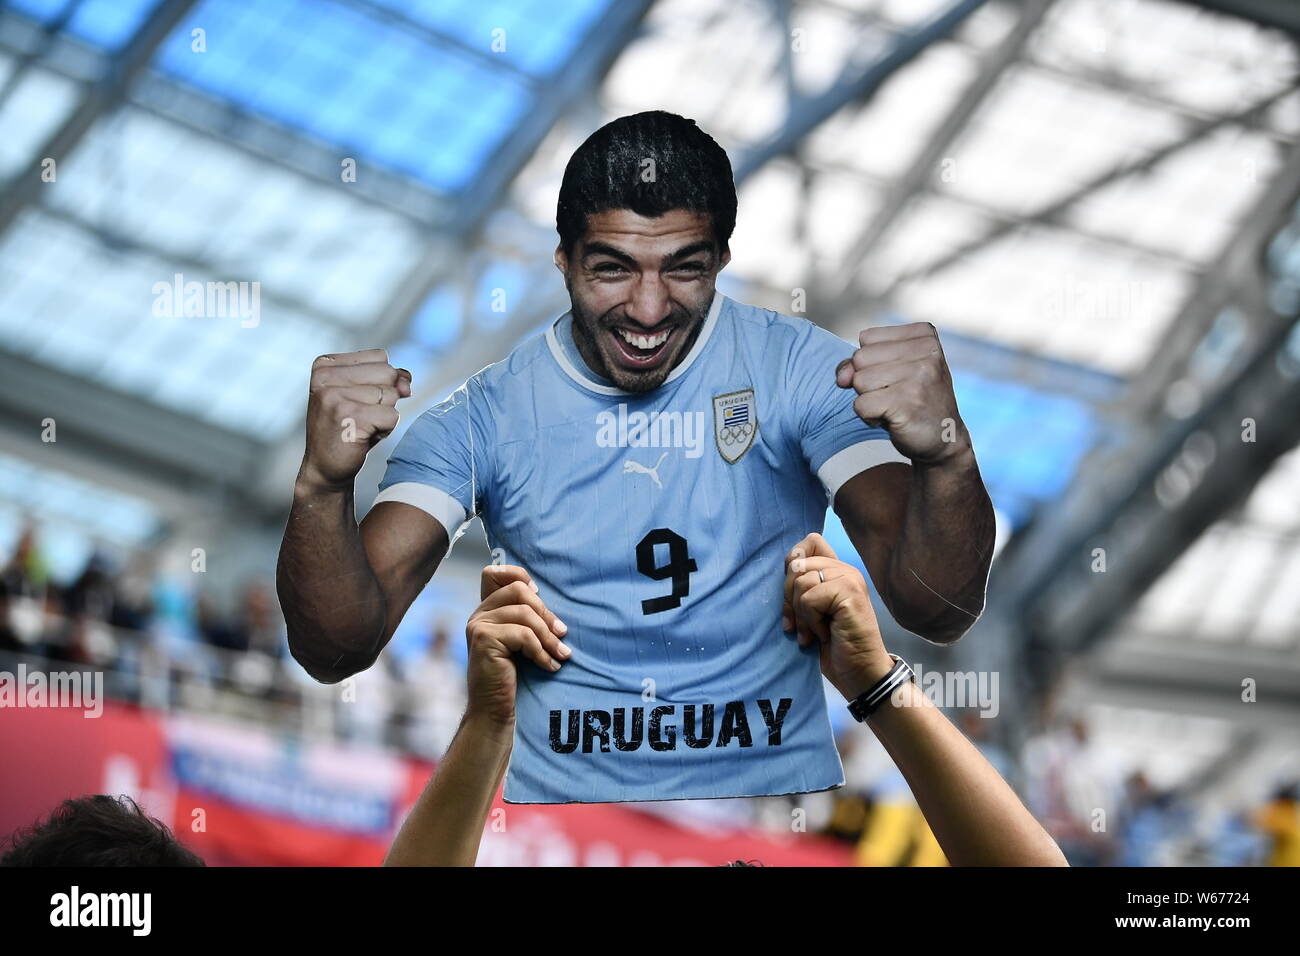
x=635 y=467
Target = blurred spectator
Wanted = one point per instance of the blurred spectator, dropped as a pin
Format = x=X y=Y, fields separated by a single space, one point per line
x=218 y=630
x=26 y=571
x=132 y=597
x=1151 y=823
x=262 y=621
x=1279 y=820
x=24 y=580
x=435 y=695
x=367 y=702
x=1070 y=787
x=92 y=593
x=894 y=831
x=1232 y=840
x=980 y=731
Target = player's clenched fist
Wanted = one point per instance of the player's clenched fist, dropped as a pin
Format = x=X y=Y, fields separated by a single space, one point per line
x=904 y=386
x=830 y=605
x=511 y=620
x=350 y=407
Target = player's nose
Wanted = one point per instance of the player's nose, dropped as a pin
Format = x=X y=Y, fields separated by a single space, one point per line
x=649 y=305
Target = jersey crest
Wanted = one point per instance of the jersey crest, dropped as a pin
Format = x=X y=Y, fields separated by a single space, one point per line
x=735 y=423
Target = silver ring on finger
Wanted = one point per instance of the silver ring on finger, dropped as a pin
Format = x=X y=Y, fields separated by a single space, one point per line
x=821 y=576
x=380 y=399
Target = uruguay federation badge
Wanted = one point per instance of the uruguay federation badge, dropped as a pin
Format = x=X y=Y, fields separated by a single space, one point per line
x=735 y=423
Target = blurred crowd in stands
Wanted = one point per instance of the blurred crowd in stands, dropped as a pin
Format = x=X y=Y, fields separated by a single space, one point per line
x=164 y=645
x=169 y=644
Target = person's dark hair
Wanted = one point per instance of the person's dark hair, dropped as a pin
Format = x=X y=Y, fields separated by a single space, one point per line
x=609 y=171
x=97 y=831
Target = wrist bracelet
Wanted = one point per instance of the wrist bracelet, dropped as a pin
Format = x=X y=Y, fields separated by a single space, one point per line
x=866 y=703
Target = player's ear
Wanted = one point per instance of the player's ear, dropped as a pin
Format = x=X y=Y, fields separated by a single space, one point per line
x=561 y=260
x=726 y=257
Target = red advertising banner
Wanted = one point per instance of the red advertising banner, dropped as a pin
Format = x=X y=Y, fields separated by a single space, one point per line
x=243 y=795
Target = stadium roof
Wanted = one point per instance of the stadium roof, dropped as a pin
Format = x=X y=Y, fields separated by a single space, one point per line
x=1044 y=181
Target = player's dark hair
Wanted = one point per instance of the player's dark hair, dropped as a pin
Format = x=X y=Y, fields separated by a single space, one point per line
x=613 y=170
x=97 y=831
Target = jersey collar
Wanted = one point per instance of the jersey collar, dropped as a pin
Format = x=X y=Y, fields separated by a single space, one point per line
x=580 y=376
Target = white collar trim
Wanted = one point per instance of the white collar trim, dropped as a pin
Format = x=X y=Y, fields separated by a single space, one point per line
x=710 y=321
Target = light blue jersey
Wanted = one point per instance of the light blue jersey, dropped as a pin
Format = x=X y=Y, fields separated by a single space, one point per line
x=656 y=526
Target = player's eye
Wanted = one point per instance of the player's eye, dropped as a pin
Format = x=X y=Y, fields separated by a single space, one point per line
x=609 y=269
x=689 y=269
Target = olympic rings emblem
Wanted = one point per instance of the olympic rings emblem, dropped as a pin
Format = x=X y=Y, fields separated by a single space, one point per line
x=736 y=434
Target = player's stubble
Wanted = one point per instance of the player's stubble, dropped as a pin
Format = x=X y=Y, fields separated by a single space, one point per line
x=587 y=329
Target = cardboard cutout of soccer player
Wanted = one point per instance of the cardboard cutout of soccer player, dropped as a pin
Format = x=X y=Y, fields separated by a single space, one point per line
x=649 y=462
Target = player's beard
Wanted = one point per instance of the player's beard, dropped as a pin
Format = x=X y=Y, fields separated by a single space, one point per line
x=592 y=334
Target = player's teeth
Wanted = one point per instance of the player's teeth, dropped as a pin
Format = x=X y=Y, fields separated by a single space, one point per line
x=644 y=341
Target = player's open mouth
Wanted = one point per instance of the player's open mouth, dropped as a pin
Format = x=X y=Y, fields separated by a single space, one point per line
x=639 y=350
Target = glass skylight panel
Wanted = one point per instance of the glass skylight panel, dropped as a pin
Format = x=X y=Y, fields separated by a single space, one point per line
x=61 y=269
x=1285 y=116
x=1054 y=293
x=438 y=322
x=109 y=23
x=1189 y=203
x=930 y=227
x=1038 y=137
x=840 y=207
x=32 y=111
x=1206 y=62
x=253 y=222
x=824 y=41
x=1187 y=586
x=1279 y=610
x=537 y=35
x=884 y=136
x=912 y=13
x=114 y=337
x=1275 y=502
x=764 y=246
x=50 y=494
x=716 y=63
x=1240 y=581
x=285 y=61
x=988 y=25
x=1241 y=577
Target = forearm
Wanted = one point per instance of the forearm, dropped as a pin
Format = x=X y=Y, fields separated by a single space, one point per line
x=445 y=826
x=334 y=608
x=939 y=567
x=975 y=815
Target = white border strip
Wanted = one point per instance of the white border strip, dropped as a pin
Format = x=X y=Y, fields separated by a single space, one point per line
x=576 y=374
x=432 y=501
x=855 y=459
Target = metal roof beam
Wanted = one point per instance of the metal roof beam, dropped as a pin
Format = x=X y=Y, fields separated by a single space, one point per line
x=853 y=85
x=1051 y=213
x=100 y=97
x=995 y=64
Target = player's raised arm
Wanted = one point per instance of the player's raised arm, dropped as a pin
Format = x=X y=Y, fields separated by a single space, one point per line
x=926 y=537
x=976 y=817
x=343 y=589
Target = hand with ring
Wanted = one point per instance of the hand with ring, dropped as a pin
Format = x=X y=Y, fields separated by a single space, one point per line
x=826 y=603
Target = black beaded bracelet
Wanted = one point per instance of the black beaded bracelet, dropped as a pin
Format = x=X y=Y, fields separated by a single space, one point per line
x=866 y=703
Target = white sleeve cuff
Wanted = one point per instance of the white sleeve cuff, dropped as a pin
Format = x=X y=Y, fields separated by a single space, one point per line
x=432 y=501
x=854 y=460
